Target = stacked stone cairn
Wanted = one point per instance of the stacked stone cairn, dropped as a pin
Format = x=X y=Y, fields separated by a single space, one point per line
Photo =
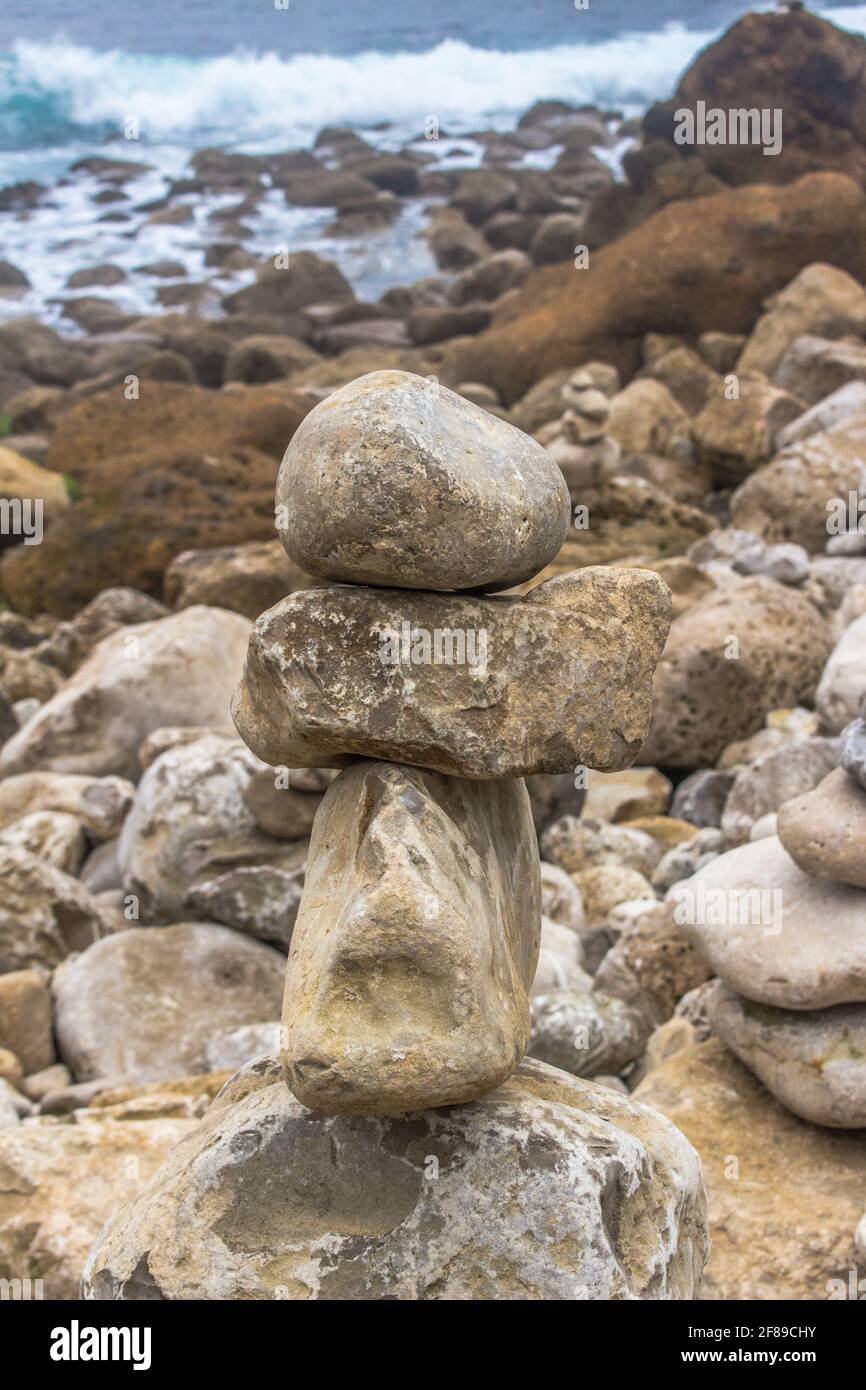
x=790 y=948
x=400 y=1148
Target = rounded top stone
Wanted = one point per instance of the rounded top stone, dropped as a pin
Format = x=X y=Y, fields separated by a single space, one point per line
x=394 y=480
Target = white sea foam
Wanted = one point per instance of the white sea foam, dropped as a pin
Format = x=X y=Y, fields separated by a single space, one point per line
x=255 y=100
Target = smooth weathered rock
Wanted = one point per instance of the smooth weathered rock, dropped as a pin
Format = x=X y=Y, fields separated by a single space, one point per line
x=837 y=408
x=525 y=1205
x=685 y=859
x=700 y=798
x=45 y=914
x=177 y=670
x=814 y=1062
x=586 y=1033
x=791 y=498
x=415 y=944
x=557 y=679
x=98 y=803
x=813 y=368
x=26 y=1019
x=41 y=1083
x=852 y=750
x=735 y=436
x=667 y=831
x=774 y=934
x=143 y=1004
x=710 y=690
x=560 y=897
x=72 y=642
x=767 y=783
x=784 y=1196
x=278 y=807
x=60 y=1183
x=840 y=691
x=260 y=899
x=645 y=418
x=190 y=823
x=605 y=886
x=396 y=480
x=100 y=871
x=234 y=1049
x=824 y=831
x=559 y=961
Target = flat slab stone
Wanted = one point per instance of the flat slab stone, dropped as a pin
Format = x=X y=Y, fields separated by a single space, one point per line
x=814 y=1062
x=548 y=1188
x=395 y=480
x=559 y=679
x=776 y=935
x=416 y=942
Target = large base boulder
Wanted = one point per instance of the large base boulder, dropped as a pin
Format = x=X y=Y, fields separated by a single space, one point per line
x=547 y=1188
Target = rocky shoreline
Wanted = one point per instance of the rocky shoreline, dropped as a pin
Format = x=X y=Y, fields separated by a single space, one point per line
x=638 y=472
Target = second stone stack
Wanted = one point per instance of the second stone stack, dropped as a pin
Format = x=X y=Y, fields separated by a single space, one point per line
x=417 y=937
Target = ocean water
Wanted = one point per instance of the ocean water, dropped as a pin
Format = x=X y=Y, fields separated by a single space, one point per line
x=263 y=75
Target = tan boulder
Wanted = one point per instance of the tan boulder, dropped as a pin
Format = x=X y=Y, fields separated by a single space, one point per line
x=246 y=579
x=25 y=1018
x=548 y=682
x=652 y=964
x=789 y=499
x=45 y=914
x=21 y=478
x=730 y=659
x=605 y=886
x=645 y=418
x=52 y=836
x=821 y=299
x=100 y=804
x=620 y=796
x=415 y=945
x=633 y=521
x=735 y=436
x=784 y=1196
